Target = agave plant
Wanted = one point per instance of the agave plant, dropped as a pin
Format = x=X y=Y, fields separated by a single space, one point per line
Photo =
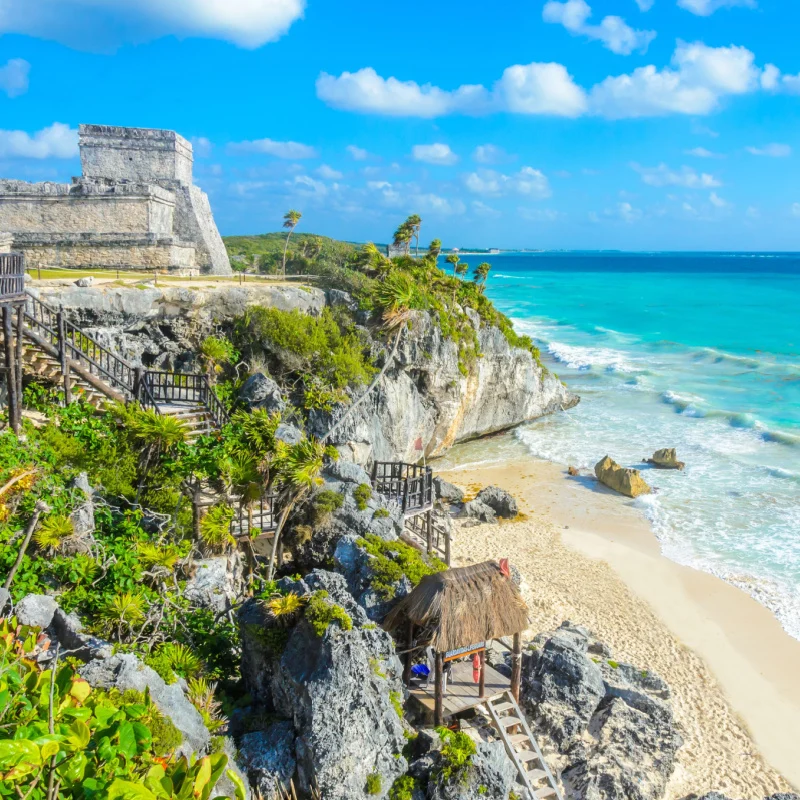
x=53 y=531
x=216 y=351
x=201 y=696
x=151 y=555
x=285 y=608
x=215 y=528
x=123 y=611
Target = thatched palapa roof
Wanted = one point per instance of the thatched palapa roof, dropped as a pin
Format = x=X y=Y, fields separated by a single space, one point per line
x=463 y=606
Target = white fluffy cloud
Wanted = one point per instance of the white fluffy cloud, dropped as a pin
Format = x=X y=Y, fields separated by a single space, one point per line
x=290 y=150
x=704 y=8
x=202 y=147
x=717 y=201
x=612 y=31
x=528 y=181
x=645 y=5
x=489 y=154
x=57 y=141
x=329 y=173
x=698 y=78
x=522 y=89
x=774 y=150
x=105 y=24
x=437 y=153
x=368 y=92
x=662 y=175
x=357 y=153
x=14 y=77
x=702 y=152
x=695 y=82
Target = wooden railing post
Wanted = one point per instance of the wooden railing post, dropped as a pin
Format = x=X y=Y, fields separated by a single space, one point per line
x=14 y=416
x=438 y=708
x=138 y=377
x=447 y=548
x=429 y=530
x=516 y=665
x=62 y=354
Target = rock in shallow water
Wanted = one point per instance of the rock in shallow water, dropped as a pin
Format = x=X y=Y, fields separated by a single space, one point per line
x=625 y=481
x=667 y=458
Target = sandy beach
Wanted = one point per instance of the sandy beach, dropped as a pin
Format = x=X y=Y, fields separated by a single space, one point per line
x=588 y=555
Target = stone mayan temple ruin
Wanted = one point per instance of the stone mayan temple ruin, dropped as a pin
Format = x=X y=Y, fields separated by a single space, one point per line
x=134 y=206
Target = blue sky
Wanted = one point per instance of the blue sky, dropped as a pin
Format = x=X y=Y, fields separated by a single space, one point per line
x=582 y=124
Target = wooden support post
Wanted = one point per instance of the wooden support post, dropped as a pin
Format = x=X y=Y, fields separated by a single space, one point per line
x=20 y=334
x=482 y=683
x=447 y=536
x=438 y=708
x=279 y=558
x=516 y=665
x=10 y=369
x=138 y=375
x=429 y=530
x=409 y=655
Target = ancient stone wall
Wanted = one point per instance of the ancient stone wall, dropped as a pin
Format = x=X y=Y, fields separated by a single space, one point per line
x=86 y=207
x=134 y=154
x=6 y=240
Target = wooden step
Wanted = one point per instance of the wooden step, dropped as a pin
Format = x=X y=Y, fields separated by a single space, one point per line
x=527 y=755
x=536 y=774
x=501 y=707
x=516 y=738
x=507 y=722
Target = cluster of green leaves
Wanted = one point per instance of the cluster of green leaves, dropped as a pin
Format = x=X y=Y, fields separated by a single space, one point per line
x=457 y=754
x=391 y=561
x=373 y=784
x=403 y=788
x=321 y=612
x=62 y=740
x=327 y=350
x=362 y=495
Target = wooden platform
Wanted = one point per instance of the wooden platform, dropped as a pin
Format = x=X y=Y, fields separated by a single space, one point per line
x=462 y=691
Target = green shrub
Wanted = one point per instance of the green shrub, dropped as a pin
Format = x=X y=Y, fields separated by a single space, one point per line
x=393 y=560
x=396 y=700
x=321 y=612
x=362 y=494
x=403 y=788
x=304 y=345
x=324 y=503
x=457 y=754
x=215 y=528
x=373 y=785
x=380 y=513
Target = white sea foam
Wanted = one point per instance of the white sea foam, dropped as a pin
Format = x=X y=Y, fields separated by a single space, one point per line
x=585 y=358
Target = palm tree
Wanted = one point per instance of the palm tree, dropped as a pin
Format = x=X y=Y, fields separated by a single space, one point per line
x=290 y=220
x=415 y=223
x=403 y=236
x=453 y=259
x=481 y=274
x=434 y=248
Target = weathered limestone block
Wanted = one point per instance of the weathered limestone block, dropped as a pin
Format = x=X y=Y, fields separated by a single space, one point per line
x=625 y=481
x=6 y=240
x=666 y=458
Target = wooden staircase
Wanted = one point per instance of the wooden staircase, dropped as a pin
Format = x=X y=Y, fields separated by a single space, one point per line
x=197 y=419
x=533 y=774
x=42 y=364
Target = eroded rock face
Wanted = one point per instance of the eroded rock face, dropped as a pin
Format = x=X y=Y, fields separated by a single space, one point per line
x=339 y=690
x=216 y=583
x=499 y=500
x=424 y=394
x=625 y=481
x=447 y=491
x=480 y=511
x=36 y=610
x=268 y=757
x=491 y=775
x=611 y=723
x=260 y=391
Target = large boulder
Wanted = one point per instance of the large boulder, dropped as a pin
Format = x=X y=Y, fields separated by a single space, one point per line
x=491 y=776
x=610 y=723
x=625 y=481
x=447 y=491
x=69 y=631
x=666 y=458
x=268 y=757
x=36 y=610
x=499 y=500
x=260 y=391
x=341 y=691
x=562 y=685
x=480 y=512
x=124 y=671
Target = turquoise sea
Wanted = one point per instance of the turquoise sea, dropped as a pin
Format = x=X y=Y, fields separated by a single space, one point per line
x=695 y=351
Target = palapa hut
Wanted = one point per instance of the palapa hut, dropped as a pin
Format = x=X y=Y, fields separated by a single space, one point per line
x=458 y=613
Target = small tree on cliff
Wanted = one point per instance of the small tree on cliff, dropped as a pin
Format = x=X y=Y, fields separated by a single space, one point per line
x=290 y=220
x=453 y=259
x=481 y=274
x=415 y=223
x=403 y=236
x=434 y=248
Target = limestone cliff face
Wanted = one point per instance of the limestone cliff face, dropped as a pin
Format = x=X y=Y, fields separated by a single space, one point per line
x=424 y=395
